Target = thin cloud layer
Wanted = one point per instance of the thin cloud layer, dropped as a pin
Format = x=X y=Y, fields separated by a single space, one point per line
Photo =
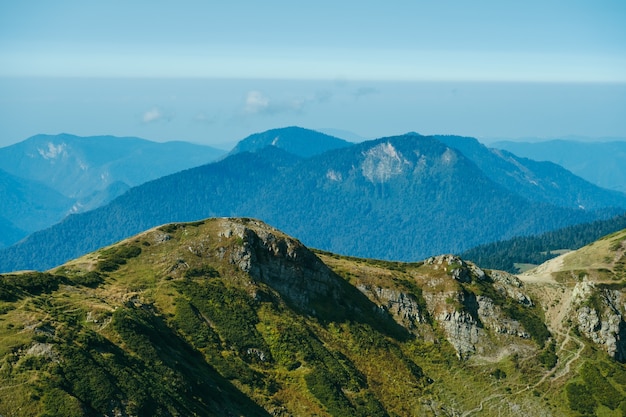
x=154 y=115
x=204 y=118
x=256 y=103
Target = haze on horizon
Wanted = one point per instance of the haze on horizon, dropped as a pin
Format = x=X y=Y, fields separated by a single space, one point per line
x=213 y=73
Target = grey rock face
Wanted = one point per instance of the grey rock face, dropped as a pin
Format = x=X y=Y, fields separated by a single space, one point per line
x=283 y=263
x=459 y=269
x=600 y=316
x=467 y=321
x=403 y=307
x=509 y=285
x=462 y=331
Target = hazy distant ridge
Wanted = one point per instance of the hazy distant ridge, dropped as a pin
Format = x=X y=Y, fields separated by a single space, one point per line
x=405 y=197
x=68 y=174
x=602 y=163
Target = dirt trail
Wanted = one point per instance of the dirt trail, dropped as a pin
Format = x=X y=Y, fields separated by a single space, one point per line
x=557 y=301
x=543 y=273
x=554 y=296
x=482 y=404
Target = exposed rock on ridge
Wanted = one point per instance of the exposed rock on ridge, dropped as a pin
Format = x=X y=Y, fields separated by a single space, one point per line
x=599 y=313
x=450 y=300
x=282 y=262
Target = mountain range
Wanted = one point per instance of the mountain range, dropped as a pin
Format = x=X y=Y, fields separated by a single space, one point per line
x=601 y=163
x=230 y=316
x=46 y=177
x=403 y=198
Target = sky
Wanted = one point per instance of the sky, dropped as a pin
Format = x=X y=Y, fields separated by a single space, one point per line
x=213 y=72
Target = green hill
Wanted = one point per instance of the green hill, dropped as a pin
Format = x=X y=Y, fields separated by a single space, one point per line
x=232 y=317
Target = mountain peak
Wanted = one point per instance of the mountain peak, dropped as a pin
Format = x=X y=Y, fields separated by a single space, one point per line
x=296 y=140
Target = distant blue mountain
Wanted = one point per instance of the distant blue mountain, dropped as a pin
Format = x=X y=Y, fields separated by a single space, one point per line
x=601 y=163
x=78 y=166
x=545 y=181
x=403 y=198
x=296 y=140
x=27 y=206
x=55 y=175
x=9 y=232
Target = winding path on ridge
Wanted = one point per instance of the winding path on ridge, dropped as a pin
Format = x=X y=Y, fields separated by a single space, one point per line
x=556 y=313
x=556 y=317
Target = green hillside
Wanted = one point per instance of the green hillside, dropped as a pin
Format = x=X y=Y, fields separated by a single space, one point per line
x=232 y=317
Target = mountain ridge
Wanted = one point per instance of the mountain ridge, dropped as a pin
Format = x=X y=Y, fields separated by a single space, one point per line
x=599 y=162
x=77 y=166
x=22 y=204
x=399 y=190
x=539 y=180
x=85 y=172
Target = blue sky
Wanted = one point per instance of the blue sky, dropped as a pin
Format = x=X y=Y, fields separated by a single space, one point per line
x=213 y=72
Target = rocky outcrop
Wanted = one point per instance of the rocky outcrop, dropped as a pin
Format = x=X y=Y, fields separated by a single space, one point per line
x=492 y=318
x=453 y=300
x=404 y=307
x=468 y=321
x=281 y=262
x=600 y=317
x=468 y=328
x=459 y=269
x=510 y=286
x=462 y=331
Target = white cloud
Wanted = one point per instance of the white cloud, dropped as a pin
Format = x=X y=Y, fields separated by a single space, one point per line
x=256 y=103
x=152 y=115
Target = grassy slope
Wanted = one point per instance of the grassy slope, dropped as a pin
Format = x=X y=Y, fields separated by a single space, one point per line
x=178 y=329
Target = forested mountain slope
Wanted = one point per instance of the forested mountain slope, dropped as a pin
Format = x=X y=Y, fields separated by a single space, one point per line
x=46 y=177
x=537 y=179
x=296 y=140
x=10 y=232
x=405 y=197
x=27 y=206
x=538 y=249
